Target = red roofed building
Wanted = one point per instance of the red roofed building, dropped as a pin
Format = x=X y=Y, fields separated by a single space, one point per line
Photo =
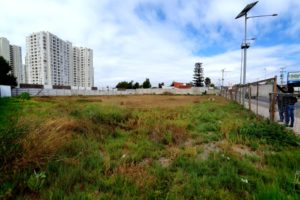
x=181 y=85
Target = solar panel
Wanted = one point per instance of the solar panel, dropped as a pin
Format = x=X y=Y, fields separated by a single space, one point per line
x=246 y=9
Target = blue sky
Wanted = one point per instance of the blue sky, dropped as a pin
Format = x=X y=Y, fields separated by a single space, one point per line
x=162 y=39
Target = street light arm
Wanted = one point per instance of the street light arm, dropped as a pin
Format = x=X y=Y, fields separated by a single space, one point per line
x=273 y=15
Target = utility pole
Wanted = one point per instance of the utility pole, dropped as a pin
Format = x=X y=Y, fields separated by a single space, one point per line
x=265 y=69
x=282 y=75
x=223 y=71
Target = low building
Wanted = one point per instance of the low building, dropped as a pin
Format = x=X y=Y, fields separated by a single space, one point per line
x=182 y=85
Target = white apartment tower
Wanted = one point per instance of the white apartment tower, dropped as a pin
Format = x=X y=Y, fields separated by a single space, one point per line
x=48 y=59
x=13 y=55
x=16 y=63
x=4 y=49
x=83 y=71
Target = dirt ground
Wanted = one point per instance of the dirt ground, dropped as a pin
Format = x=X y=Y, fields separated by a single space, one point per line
x=140 y=101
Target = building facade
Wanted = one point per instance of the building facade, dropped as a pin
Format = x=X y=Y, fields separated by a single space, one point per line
x=13 y=55
x=83 y=71
x=16 y=63
x=53 y=61
x=4 y=49
x=48 y=59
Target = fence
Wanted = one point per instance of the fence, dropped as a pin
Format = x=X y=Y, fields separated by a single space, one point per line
x=260 y=98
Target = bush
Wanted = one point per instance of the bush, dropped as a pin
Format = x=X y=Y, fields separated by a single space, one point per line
x=36 y=181
x=24 y=96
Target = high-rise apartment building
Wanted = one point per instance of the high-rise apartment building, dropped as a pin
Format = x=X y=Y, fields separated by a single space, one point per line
x=49 y=59
x=53 y=61
x=13 y=55
x=16 y=63
x=4 y=48
x=83 y=71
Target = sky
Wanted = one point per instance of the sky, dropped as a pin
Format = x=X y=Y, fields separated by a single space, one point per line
x=162 y=39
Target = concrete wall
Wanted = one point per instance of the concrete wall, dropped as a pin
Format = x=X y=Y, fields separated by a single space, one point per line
x=5 y=91
x=263 y=90
x=76 y=92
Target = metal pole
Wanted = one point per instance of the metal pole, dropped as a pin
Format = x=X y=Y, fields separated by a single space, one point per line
x=241 y=75
x=223 y=77
x=245 y=59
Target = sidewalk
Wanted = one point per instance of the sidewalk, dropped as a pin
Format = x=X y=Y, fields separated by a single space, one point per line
x=263 y=110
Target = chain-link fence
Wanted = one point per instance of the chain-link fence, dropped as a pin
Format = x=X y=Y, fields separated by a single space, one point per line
x=261 y=98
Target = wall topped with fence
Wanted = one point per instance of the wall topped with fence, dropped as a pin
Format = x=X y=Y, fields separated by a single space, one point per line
x=260 y=98
x=75 y=92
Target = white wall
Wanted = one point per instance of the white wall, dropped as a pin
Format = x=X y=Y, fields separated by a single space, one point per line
x=89 y=92
x=5 y=91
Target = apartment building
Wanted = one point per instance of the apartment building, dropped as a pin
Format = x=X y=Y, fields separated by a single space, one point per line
x=53 y=61
x=48 y=59
x=4 y=48
x=13 y=55
x=83 y=71
x=16 y=63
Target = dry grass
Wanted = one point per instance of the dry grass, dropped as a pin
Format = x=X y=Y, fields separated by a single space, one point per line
x=41 y=144
x=135 y=173
x=137 y=101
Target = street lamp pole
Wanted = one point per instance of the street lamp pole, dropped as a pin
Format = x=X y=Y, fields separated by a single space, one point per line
x=245 y=59
x=245 y=45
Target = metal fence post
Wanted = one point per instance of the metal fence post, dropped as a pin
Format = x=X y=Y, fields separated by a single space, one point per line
x=274 y=98
x=257 y=94
x=249 y=96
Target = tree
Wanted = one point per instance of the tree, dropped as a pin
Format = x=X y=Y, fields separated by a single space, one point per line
x=207 y=81
x=160 y=85
x=130 y=85
x=146 y=83
x=136 y=85
x=6 y=76
x=198 y=75
x=122 y=85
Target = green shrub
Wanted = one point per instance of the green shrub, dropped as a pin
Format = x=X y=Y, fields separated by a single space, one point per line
x=36 y=181
x=24 y=96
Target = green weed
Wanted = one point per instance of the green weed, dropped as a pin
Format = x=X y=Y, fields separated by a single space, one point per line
x=119 y=148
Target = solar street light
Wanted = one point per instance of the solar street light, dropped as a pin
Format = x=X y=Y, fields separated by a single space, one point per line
x=246 y=45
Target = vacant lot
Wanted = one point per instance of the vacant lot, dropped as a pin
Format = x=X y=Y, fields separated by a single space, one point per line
x=143 y=147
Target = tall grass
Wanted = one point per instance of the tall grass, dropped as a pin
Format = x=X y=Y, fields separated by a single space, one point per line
x=118 y=148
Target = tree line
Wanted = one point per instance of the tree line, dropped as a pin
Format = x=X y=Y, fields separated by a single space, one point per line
x=132 y=85
x=6 y=75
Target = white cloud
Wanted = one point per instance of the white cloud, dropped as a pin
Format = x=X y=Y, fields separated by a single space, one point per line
x=127 y=47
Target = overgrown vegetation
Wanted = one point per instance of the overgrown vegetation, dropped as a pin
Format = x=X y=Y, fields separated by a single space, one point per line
x=24 y=96
x=143 y=147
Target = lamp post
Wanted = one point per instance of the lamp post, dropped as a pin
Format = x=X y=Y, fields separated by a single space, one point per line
x=243 y=46
x=246 y=45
